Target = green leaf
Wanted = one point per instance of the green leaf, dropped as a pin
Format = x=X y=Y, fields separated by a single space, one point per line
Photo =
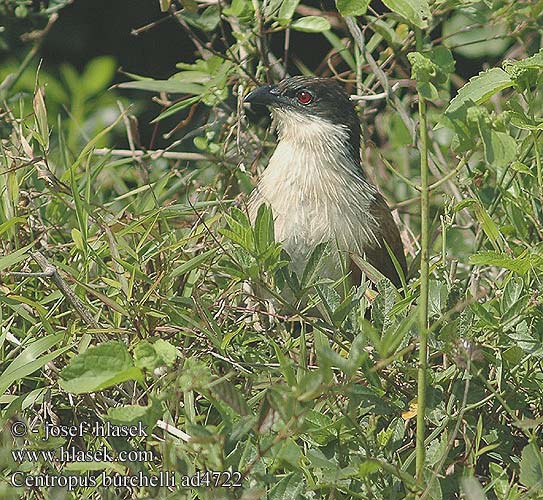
x=30 y=360
x=500 y=148
x=311 y=24
x=166 y=352
x=98 y=368
x=98 y=74
x=472 y=489
x=193 y=263
x=489 y=226
x=152 y=355
x=416 y=12
x=172 y=86
x=208 y=20
x=428 y=91
x=226 y=392
x=14 y=257
x=517 y=166
x=133 y=414
x=480 y=88
x=185 y=103
x=352 y=7
x=264 y=228
x=511 y=293
x=313 y=264
x=520 y=265
x=437 y=297
x=287 y=9
x=289 y=488
x=531 y=467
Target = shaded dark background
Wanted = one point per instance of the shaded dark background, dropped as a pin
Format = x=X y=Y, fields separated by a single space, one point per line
x=90 y=28
x=86 y=29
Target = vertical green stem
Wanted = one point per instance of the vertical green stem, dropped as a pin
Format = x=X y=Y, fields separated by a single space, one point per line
x=538 y=163
x=424 y=276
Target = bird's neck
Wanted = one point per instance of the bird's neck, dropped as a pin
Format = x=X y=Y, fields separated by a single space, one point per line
x=315 y=144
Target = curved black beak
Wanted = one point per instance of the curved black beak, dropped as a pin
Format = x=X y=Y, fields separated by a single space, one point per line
x=267 y=95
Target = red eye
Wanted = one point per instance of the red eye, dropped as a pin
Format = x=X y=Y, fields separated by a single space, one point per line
x=304 y=97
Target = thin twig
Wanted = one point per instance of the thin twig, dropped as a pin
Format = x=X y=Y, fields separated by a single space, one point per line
x=153 y=154
x=12 y=79
x=358 y=36
x=51 y=271
x=174 y=431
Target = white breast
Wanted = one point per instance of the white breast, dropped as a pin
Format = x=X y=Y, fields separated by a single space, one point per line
x=315 y=192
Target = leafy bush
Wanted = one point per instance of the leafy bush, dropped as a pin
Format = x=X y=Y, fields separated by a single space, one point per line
x=124 y=274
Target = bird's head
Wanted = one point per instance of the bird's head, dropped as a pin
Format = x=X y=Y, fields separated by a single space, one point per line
x=312 y=110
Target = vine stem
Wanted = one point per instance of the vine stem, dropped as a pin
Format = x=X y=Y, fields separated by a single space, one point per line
x=423 y=306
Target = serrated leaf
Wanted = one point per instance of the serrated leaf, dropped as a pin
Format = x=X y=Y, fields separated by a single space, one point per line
x=98 y=368
x=480 y=88
x=520 y=265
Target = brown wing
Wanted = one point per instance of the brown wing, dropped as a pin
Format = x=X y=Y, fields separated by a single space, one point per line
x=378 y=256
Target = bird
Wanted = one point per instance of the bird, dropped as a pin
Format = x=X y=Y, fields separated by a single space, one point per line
x=315 y=184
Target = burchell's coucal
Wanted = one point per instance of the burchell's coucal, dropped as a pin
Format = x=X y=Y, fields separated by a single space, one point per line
x=315 y=184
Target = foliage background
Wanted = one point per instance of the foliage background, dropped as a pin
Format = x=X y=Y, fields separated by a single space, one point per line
x=141 y=311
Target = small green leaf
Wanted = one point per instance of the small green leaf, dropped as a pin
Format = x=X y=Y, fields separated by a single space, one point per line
x=311 y=24
x=416 y=12
x=264 y=228
x=489 y=226
x=352 y=7
x=40 y=113
x=511 y=293
x=472 y=489
x=287 y=9
x=207 y=20
x=290 y=487
x=193 y=263
x=226 y=392
x=14 y=257
x=31 y=359
x=428 y=91
x=313 y=264
x=531 y=467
